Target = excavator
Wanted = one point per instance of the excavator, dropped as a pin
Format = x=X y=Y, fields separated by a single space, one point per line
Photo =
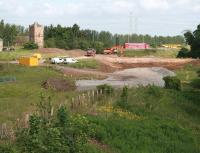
x=114 y=50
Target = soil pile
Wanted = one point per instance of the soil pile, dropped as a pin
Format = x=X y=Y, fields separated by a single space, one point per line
x=58 y=84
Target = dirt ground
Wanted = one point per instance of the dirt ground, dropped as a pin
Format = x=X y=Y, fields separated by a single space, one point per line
x=62 y=52
x=57 y=84
x=113 y=62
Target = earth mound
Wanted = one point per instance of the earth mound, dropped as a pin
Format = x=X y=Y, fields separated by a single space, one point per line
x=58 y=84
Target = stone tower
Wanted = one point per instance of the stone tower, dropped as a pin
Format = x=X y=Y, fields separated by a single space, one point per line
x=36 y=34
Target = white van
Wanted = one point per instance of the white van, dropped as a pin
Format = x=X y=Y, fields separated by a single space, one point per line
x=70 y=61
x=57 y=60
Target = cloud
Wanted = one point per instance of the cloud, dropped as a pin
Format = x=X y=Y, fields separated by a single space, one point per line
x=112 y=15
x=50 y=9
x=155 y=4
x=196 y=8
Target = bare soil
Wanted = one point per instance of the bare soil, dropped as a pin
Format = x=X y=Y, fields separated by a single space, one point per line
x=80 y=72
x=57 y=51
x=113 y=63
x=58 y=84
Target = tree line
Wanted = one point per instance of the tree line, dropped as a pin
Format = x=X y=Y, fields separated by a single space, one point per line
x=74 y=37
x=10 y=32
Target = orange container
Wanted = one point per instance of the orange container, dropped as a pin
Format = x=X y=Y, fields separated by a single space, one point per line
x=29 y=61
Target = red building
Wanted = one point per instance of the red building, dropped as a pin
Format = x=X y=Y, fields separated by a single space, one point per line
x=136 y=46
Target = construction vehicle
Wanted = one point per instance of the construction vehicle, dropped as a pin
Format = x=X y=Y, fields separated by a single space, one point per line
x=114 y=50
x=91 y=52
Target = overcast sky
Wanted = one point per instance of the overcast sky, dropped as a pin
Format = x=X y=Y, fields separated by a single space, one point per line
x=155 y=17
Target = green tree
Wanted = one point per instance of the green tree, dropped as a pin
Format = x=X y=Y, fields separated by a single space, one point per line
x=193 y=39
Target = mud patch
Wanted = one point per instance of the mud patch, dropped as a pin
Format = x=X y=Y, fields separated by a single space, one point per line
x=58 y=84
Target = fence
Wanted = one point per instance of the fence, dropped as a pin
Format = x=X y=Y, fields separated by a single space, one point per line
x=83 y=102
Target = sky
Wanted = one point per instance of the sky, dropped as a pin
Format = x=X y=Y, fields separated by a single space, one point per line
x=154 y=17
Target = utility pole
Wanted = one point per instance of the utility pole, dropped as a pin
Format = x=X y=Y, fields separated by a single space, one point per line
x=93 y=35
x=130 y=26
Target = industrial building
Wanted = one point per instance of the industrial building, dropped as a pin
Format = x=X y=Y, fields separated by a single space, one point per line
x=1 y=44
x=136 y=46
x=36 y=34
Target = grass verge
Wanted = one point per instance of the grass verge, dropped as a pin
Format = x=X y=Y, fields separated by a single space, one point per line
x=152 y=52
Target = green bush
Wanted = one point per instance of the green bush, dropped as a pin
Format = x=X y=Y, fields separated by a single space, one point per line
x=123 y=101
x=198 y=72
x=153 y=90
x=172 y=83
x=196 y=83
x=183 y=53
x=50 y=43
x=30 y=45
x=106 y=89
x=83 y=45
x=99 y=46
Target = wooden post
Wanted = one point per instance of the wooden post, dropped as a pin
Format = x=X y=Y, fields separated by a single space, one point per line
x=26 y=121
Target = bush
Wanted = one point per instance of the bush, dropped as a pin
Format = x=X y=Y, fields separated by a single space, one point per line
x=123 y=101
x=196 y=83
x=154 y=91
x=172 y=83
x=106 y=89
x=99 y=46
x=83 y=45
x=183 y=53
x=198 y=72
x=30 y=45
x=50 y=43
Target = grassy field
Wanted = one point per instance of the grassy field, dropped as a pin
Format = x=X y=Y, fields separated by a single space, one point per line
x=21 y=96
x=85 y=63
x=163 y=120
x=152 y=52
x=156 y=120
x=14 y=55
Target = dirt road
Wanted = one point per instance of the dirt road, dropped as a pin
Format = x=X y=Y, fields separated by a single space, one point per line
x=116 y=62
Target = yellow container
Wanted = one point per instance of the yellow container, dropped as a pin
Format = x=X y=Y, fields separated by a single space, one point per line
x=37 y=55
x=29 y=61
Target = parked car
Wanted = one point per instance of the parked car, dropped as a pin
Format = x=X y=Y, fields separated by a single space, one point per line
x=57 y=60
x=70 y=61
x=91 y=52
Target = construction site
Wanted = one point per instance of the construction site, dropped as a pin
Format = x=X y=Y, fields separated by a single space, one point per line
x=124 y=83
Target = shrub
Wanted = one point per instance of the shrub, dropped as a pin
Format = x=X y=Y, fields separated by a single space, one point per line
x=99 y=46
x=123 y=102
x=196 y=83
x=198 y=72
x=83 y=45
x=50 y=43
x=154 y=91
x=183 y=53
x=172 y=83
x=30 y=45
x=106 y=89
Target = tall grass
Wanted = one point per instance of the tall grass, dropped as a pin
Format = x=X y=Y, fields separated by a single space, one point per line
x=151 y=52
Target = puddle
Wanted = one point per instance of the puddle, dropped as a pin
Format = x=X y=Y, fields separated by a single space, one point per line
x=129 y=77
